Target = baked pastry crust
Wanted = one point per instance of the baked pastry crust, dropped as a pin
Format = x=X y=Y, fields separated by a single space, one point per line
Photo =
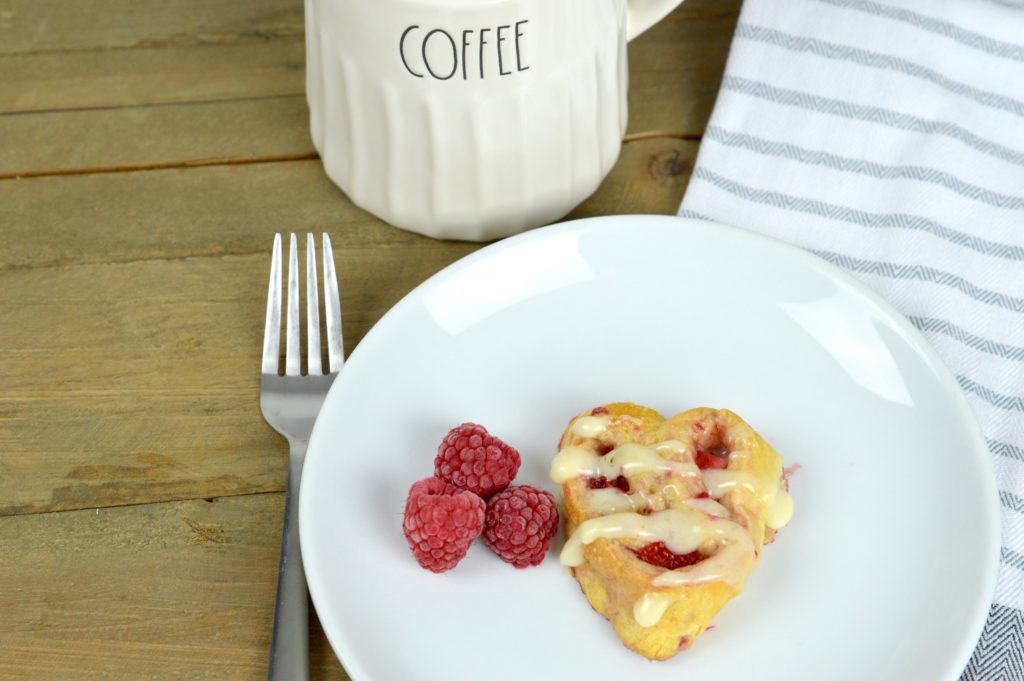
x=746 y=479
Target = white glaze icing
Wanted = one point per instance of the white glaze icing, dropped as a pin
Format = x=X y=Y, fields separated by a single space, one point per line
x=652 y=605
x=776 y=500
x=671 y=527
x=611 y=500
x=590 y=426
x=676 y=447
x=721 y=482
x=780 y=509
x=628 y=459
x=708 y=506
x=729 y=563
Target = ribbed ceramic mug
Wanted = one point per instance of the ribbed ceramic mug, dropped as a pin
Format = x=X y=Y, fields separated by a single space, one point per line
x=470 y=119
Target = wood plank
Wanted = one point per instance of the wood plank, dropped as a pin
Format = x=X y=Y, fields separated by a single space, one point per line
x=164 y=104
x=163 y=214
x=57 y=55
x=649 y=177
x=148 y=389
x=54 y=25
x=212 y=211
x=676 y=67
x=104 y=79
x=62 y=141
x=179 y=590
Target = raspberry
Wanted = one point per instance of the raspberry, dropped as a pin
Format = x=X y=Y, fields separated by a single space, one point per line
x=440 y=523
x=601 y=482
x=712 y=446
x=714 y=459
x=659 y=555
x=471 y=458
x=520 y=523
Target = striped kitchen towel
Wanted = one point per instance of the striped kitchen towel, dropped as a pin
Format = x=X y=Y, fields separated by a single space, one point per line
x=887 y=136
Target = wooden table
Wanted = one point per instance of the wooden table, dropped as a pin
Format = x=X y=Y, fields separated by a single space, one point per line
x=149 y=149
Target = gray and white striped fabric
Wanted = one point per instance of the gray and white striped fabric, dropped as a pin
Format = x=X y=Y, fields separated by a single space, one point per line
x=887 y=136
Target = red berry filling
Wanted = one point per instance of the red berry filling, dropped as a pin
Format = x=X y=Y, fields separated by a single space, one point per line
x=601 y=482
x=711 y=447
x=599 y=411
x=659 y=555
x=714 y=460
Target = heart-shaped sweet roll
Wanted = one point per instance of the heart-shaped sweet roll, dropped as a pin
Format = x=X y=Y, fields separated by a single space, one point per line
x=665 y=518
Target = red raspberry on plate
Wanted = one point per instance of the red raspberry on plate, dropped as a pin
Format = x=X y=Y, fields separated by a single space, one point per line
x=471 y=458
x=520 y=523
x=440 y=523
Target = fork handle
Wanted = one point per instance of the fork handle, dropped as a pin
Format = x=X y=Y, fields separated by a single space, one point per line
x=289 y=649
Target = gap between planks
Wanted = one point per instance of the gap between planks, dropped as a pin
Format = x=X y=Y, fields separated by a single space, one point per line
x=174 y=500
x=165 y=165
x=284 y=158
x=147 y=105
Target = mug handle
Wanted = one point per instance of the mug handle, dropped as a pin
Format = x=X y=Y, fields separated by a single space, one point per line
x=642 y=14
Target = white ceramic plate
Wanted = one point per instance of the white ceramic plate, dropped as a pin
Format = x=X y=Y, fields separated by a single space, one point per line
x=885 y=573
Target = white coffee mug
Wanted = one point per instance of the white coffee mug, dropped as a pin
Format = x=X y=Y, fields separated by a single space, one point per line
x=470 y=119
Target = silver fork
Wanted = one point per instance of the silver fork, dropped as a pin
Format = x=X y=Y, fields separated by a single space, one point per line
x=290 y=404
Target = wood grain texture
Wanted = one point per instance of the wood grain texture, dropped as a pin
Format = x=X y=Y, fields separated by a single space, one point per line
x=179 y=133
x=222 y=99
x=110 y=79
x=178 y=213
x=54 y=25
x=162 y=591
x=146 y=388
x=649 y=177
x=154 y=395
x=676 y=67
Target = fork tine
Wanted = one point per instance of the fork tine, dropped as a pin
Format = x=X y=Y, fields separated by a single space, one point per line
x=313 y=364
x=272 y=328
x=292 y=360
x=332 y=309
